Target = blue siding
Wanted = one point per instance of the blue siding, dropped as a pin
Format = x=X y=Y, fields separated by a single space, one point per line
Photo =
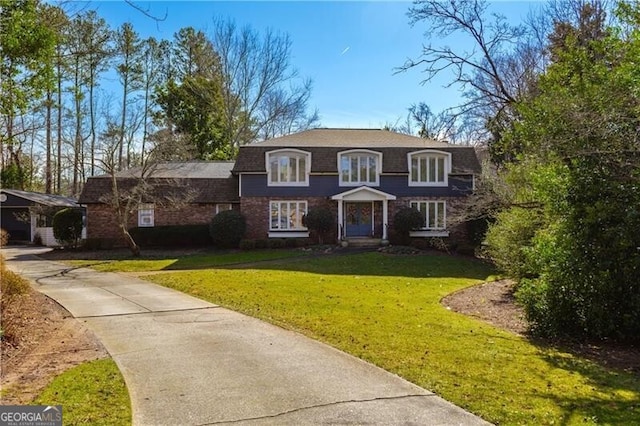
x=326 y=186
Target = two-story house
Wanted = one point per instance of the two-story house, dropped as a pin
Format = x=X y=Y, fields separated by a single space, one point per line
x=362 y=176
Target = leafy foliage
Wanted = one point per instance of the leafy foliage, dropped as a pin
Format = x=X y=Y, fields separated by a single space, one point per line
x=228 y=228
x=406 y=220
x=577 y=248
x=67 y=226
x=172 y=236
x=320 y=220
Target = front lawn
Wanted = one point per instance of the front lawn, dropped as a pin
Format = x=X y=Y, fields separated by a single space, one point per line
x=386 y=310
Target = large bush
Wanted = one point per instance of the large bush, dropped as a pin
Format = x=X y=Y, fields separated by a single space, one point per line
x=405 y=220
x=319 y=220
x=227 y=229
x=509 y=241
x=67 y=227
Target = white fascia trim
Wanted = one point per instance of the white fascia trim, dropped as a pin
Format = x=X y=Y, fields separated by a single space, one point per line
x=425 y=234
x=288 y=234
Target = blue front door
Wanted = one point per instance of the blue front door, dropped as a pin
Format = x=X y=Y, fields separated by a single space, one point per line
x=358 y=219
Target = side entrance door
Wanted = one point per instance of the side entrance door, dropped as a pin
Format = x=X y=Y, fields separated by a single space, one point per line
x=358 y=219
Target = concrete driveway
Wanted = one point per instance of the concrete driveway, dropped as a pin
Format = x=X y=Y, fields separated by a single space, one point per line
x=189 y=362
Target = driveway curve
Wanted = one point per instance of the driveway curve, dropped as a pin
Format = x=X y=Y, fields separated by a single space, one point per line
x=189 y=362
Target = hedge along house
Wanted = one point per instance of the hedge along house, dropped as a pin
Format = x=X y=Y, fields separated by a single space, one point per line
x=363 y=176
x=27 y=216
x=173 y=193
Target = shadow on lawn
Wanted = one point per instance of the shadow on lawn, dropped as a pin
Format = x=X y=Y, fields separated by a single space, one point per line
x=363 y=263
x=622 y=390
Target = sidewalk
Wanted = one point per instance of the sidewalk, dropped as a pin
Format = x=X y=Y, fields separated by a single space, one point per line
x=189 y=362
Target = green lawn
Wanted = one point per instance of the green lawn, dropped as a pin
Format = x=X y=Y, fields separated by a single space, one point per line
x=92 y=393
x=386 y=310
x=195 y=261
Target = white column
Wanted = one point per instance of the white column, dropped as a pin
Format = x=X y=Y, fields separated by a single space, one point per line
x=385 y=219
x=340 y=219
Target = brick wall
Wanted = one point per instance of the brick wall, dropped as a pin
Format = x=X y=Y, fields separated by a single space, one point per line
x=256 y=211
x=101 y=222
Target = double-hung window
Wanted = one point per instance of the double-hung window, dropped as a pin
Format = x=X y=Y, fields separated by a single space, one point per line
x=428 y=168
x=359 y=168
x=288 y=168
x=287 y=215
x=434 y=214
x=146 y=215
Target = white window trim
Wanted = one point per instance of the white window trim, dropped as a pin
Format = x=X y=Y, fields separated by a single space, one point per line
x=281 y=232
x=432 y=231
x=430 y=153
x=218 y=209
x=146 y=209
x=296 y=152
x=376 y=154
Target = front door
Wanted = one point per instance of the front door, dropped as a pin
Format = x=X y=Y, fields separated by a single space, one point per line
x=358 y=219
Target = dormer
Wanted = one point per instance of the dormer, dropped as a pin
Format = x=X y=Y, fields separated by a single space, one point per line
x=429 y=168
x=359 y=167
x=288 y=167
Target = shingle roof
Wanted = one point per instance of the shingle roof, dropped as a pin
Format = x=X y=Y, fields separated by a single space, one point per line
x=184 y=170
x=44 y=199
x=324 y=150
x=212 y=182
x=355 y=138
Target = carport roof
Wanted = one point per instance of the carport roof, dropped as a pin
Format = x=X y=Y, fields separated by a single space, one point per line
x=50 y=200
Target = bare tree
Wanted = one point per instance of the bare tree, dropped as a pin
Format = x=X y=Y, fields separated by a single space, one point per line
x=137 y=186
x=259 y=82
x=494 y=73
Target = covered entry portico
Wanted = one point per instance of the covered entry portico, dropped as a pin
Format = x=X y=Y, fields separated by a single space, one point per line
x=356 y=211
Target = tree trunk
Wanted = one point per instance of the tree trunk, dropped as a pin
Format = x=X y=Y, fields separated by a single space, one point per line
x=47 y=170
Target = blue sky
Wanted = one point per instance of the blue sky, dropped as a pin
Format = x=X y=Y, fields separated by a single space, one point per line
x=349 y=49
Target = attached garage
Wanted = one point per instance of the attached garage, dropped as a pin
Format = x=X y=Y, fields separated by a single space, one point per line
x=27 y=214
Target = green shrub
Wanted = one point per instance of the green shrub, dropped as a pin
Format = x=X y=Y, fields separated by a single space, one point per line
x=407 y=219
x=67 y=227
x=291 y=242
x=99 y=243
x=227 y=229
x=303 y=242
x=262 y=244
x=247 y=244
x=320 y=220
x=275 y=243
x=509 y=241
x=172 y=236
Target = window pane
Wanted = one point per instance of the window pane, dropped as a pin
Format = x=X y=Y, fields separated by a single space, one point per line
x=440 y=169
x=423 y=169
x=283 y=169
x=273 y=169
x=441 y=223
x=432 y=169
x=432 y=216
x=274 y=216
x=354 y=169
x=344 y=168
x=293 y=169
x=373 y=170
x=414 y=169
x=364 y=166
x=302 y=169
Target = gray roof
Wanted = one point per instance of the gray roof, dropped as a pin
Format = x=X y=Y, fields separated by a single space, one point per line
x=353 y=138
x=212 y=181
x=51 y=200
x=184 y=170
x=324 y=150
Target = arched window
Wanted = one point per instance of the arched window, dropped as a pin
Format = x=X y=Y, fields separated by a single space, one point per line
x=288 y=168
x=359 y=167
x=429 y=168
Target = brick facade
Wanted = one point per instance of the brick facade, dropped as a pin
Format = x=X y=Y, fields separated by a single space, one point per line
x=101 y=222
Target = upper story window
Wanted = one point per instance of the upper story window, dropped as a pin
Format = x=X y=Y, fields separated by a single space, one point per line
x=429 y=168
x=359 y=168
x=288 y=168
